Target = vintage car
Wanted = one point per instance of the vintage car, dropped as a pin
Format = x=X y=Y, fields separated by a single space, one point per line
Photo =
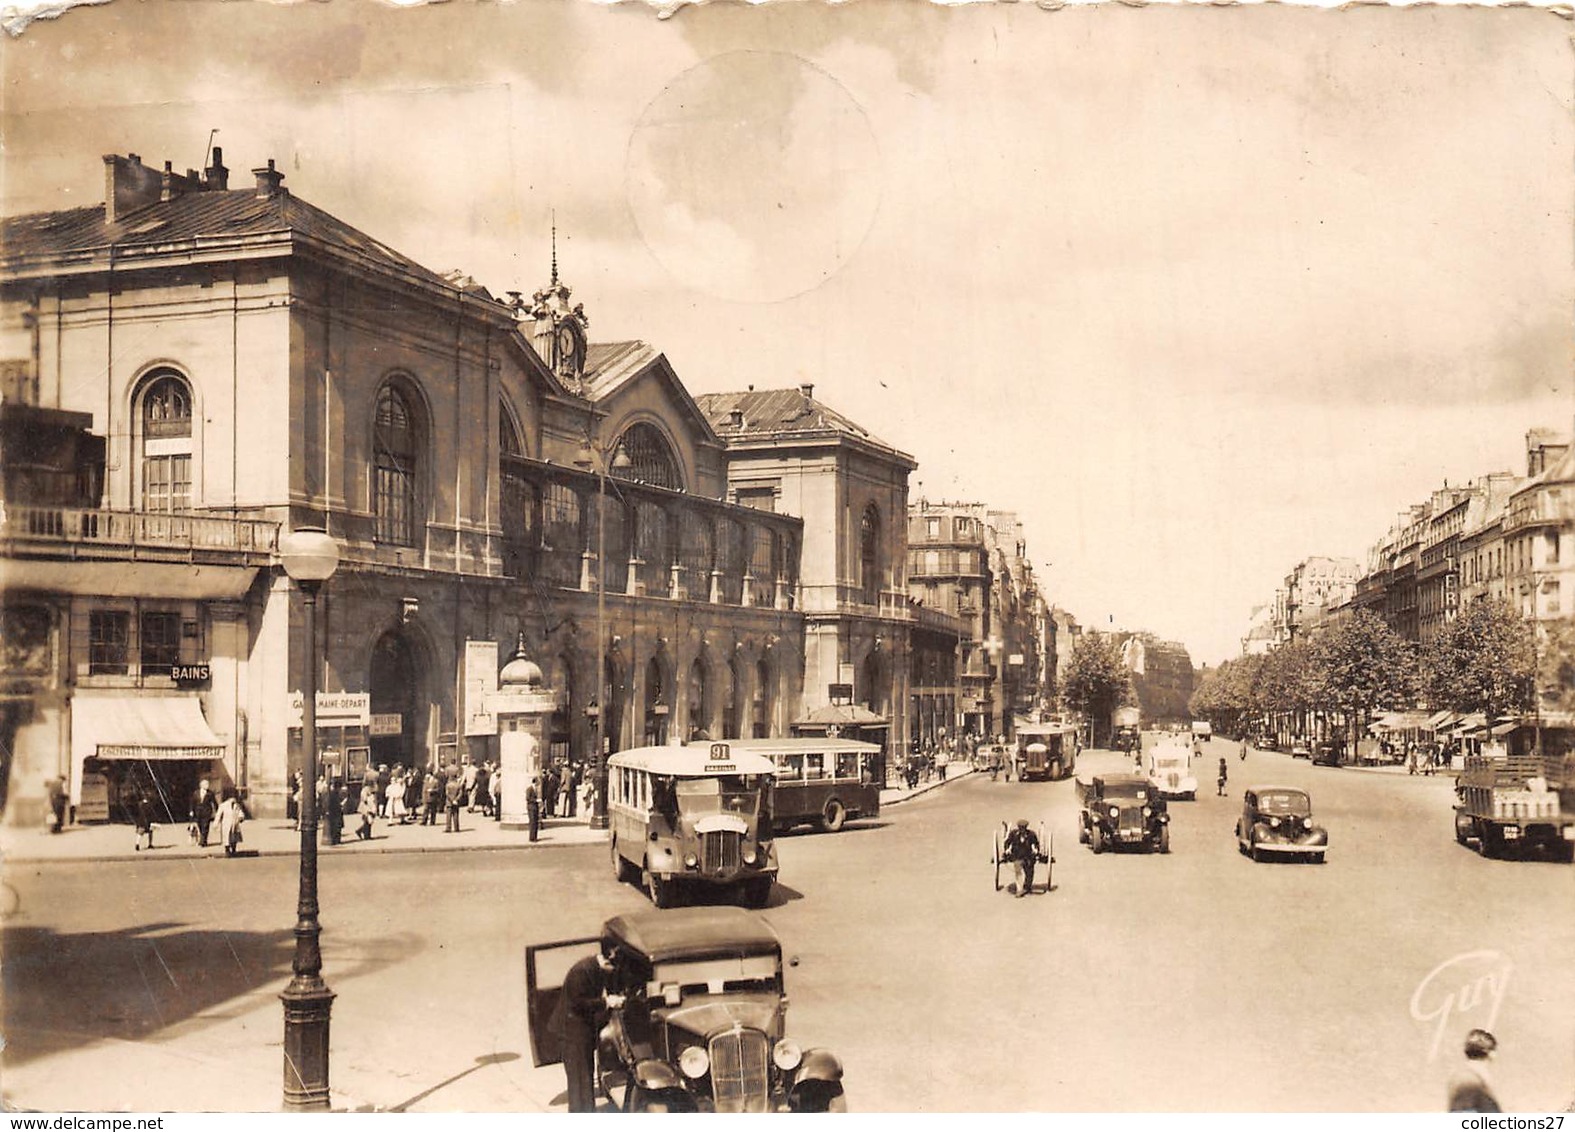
x=1170 y=771
x=1327 y=753
x=1300 y=749
x=1276 y=821
x=1266 y=743
x=1122 y=809
x=1126 y=737
x=701 y=1026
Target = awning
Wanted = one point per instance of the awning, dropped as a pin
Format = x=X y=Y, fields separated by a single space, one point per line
x=1401 y=721
x=842 y=715
x=128 y=579
x=1440 y=720
x=129 y=725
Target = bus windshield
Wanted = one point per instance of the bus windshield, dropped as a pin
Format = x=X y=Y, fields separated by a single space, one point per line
x=728 y=794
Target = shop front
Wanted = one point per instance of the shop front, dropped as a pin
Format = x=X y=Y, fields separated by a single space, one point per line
x=126 y=744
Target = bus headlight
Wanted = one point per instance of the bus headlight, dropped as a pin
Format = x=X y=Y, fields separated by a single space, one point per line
x=691 y=860
x=1274 y=823
x=787 y=1055
x=749 y=856
x=1115 y=811
x=1147 y=812
x=694 y=1061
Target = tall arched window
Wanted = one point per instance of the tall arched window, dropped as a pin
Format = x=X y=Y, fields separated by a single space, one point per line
x=699 y=700
x=869 y=556
x=166 y=443
x=397 y=444
x=519 y=500
x=651 y=458
x=733 y=716
x=761 y=708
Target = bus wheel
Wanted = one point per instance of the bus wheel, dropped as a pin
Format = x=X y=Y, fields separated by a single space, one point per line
x=833 y=817
x=621 y=869
x=663 y=891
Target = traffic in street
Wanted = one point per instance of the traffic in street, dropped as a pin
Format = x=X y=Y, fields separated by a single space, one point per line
x=1342 y=986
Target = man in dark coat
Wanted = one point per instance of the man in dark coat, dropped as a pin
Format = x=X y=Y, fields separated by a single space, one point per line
x=203 y=806
x=432 y=793
x=58 y=797
x=571 y=787
x=581 y=1013
x=533 y=808
x=453 y=798
x=1022 y=849
x=549 y=791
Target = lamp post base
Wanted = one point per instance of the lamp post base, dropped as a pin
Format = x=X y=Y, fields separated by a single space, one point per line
x=306 y=1013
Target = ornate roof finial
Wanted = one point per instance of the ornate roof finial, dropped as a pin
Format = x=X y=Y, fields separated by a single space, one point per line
x=554 y=247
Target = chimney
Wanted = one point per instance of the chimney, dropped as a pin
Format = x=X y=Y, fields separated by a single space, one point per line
x=217 y=176
x=269 y=181
x=807 y=388
x=128 y=186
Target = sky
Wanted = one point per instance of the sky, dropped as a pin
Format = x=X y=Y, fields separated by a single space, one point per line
x=1196 y=291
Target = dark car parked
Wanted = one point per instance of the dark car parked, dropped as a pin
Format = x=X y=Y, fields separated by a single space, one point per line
x=1328 y=753
x=701 y=1028
x=1276 y=821
x=1122 y=809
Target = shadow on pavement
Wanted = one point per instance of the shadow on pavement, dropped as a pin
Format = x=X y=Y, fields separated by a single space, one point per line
x=64 y=989
x=481 y=1063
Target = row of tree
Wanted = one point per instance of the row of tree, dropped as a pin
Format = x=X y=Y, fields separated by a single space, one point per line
x=1485 y=660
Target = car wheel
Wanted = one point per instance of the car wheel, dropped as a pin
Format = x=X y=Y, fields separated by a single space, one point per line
x=1082 y=835
x=622 y=870
x=1164 y=839
x=1096 y=839
x=833 y=816
x=1463 y=826
x=1487 y=841
x=1253 y=851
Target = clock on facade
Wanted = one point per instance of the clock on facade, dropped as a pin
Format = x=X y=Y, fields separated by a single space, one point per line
x=569 y=348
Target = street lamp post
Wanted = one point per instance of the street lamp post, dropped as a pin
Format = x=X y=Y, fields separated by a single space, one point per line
x=620 y=460
x=310 y=558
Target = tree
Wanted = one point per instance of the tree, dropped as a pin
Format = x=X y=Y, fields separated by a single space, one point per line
x=1285 y=683
x=1484 y=660
x=1097 y=682
x=1224 y=694
x=1364 y=665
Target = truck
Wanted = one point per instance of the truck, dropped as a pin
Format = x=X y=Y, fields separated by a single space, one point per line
x=1202 y=730
x=1124 y=729
x=1520 y=801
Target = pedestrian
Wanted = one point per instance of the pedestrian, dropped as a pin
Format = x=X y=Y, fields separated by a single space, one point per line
x=470 y=787
x=385 y=778
x=1023 y=850
x=414 y=783
x=482 y=795
x=142 y=815
x=453 y=797
x=292 y=800
x=58 y=797
x=1224 y=774
x=495 y=784
x=572 y=790
x=588 y=797
x=549 y=791
x=396 y=794
x=1244 y=750
x=230 y=814
x=941 y=764
x=533 y=808
x=432 y=791
x=1471 y=1086
x=581 y=1013
x=334 y=813
x=366 y=808
x=203 y=806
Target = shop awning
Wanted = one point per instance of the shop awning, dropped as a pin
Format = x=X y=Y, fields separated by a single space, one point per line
x=1401 y=721
x=128 y=579
x=842 y=715
x=1441 y=720
x=143 y=727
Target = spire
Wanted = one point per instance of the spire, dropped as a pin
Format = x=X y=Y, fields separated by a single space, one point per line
x=554 y=215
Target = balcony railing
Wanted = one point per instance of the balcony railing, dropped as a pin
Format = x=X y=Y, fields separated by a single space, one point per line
x=134 y=533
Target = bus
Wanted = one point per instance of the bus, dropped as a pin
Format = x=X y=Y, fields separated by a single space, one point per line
x=696 y=816
x=1046 y=751
x=821 y=781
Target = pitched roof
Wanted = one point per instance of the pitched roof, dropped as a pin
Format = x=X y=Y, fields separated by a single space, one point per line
x=782 y=413
x=609 y=365
x=198 y=216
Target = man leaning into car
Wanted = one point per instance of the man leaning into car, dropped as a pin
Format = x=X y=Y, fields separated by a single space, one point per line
x=581 y=1013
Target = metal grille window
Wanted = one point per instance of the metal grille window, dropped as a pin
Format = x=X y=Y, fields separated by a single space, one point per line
x=109 y=642
x=159 y=643
x=653 y=548
x=396 y=449
x=166 y=444
x=651 y=458
x=730 y=561
x=696 y=553
x=561 y=537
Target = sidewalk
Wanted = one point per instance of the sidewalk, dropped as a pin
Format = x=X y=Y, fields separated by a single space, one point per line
x=274 y=837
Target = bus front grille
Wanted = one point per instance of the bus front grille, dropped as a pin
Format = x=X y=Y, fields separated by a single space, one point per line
x=720 y=850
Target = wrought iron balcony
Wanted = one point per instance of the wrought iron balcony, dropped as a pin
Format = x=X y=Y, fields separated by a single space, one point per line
x=70 y=532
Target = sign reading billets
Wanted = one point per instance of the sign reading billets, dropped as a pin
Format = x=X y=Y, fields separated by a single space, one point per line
x=335 y=709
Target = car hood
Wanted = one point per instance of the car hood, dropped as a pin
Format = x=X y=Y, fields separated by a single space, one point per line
x=705 y=1016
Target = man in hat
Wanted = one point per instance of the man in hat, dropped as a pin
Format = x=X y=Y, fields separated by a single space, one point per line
x=1022 y=849
x=1471 y=1087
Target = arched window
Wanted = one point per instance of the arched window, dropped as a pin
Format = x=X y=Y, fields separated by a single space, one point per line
x=397 y=444
x=651 y=458
x=761 y=708
x=869 y=557
x=733 y=717
x=519 y=501
x=166 y=443
x=699 y=700
x=657 y=705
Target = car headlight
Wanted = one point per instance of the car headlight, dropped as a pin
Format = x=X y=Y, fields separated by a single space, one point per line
x=1147 y=812
x=1115 y=811
x=749 y=856
x=691 y=860
x=787 y=1055
x=694 y=1061
x=1274 y=823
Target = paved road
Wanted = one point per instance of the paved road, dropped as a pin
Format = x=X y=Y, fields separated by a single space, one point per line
x=1193 y=981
